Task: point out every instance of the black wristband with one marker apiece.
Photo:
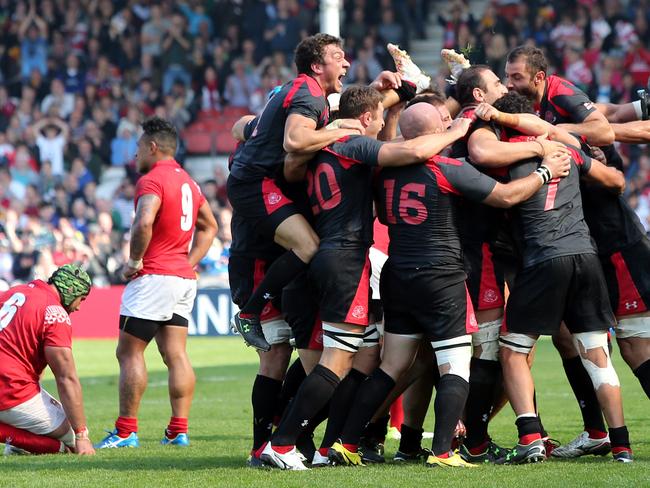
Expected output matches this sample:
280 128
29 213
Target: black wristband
406 92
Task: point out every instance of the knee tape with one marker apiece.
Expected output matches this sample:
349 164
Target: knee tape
488 338
456 352
637 109
371 336
599 376
276 331
68 438
341 339
633 327
520 343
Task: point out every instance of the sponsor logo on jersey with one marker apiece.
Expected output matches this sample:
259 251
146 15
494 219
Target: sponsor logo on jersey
359 312
588 105
274 198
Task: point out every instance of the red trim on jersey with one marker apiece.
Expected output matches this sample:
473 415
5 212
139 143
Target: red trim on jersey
269 312
576 156
345 161
445 160
552 188
380 236
358 311
629 298
314 89
444 184
316 339
273 197
471 324
489 294
295 86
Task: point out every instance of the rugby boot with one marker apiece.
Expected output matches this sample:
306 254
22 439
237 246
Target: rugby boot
582 446
250 329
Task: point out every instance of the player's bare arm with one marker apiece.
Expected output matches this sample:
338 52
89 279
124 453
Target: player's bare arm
295 166
300 134
517 191
61 363
141 229
606 176
485 149
529 124
204 234
389 132
423 147
238 127
594 128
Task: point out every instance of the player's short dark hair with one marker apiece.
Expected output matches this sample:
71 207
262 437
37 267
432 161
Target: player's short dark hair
433 98
162 132
514 103
311 50
535 59
469 79
358 99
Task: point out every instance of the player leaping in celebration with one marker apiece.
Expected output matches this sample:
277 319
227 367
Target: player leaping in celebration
35 332
170 213
290 123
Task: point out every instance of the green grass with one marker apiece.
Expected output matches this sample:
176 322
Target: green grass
221 433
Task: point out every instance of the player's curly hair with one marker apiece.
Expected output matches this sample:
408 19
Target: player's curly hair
358 99
514 103
311 49
162 132
534 57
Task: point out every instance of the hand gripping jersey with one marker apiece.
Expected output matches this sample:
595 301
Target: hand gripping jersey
31 318
418 204
339 186
263 154
173 228
551 224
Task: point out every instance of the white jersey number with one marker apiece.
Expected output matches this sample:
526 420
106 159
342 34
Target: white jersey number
186 207
9 309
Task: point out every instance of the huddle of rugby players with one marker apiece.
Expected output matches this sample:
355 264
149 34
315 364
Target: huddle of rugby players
518 196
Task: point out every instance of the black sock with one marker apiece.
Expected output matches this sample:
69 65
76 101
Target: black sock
292 380
279 274
369 398
305 441
484 377
528 426
411 440
312 395
377 430
340 406
619 438
542 430
643 374
264 398
583 389
451 395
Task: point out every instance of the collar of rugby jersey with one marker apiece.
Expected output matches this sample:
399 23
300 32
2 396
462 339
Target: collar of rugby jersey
165 162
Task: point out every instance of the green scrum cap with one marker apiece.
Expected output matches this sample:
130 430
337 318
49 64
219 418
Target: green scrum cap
72 282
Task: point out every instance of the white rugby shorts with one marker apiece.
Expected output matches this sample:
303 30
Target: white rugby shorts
158 297
41 414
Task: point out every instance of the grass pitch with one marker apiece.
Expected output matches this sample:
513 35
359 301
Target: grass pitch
221 436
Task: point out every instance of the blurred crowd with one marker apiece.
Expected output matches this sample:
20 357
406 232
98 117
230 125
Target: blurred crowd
601 46
77 77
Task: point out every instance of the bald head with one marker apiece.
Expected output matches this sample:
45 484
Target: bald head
420 119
